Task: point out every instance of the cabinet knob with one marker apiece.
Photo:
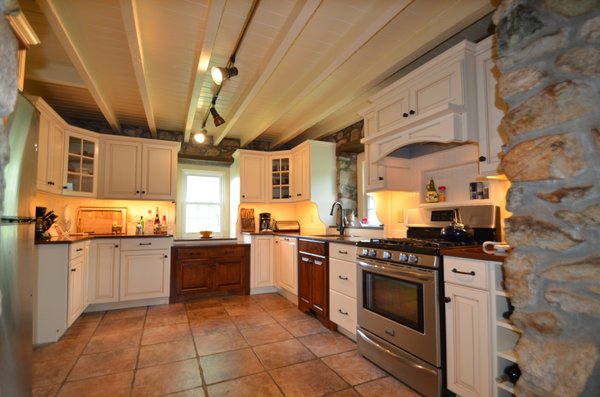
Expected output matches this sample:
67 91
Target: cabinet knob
65 187
447 299
143 192
381 178
482 158
116 245
73 269
137 192
79 250
411 112
404 114
50 183
298 194
243 196
166 256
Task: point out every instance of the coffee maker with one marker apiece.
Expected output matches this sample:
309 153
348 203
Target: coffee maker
265 222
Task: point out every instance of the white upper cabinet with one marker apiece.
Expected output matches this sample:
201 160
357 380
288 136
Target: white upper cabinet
301 174
81 163
251 176
490 109
139 169
280 181
51 143
434 103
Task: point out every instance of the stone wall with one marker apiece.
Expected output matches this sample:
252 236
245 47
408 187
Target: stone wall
549 59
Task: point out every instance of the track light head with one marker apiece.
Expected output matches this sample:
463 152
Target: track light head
217 119
200 137
220 74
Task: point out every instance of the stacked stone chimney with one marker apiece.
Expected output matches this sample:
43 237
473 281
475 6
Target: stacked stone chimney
549 62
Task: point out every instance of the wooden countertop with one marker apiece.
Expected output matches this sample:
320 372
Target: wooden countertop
473 253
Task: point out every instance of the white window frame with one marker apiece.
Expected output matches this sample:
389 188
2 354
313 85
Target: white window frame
185 170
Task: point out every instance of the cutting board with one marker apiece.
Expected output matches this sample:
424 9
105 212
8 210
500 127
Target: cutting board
247 218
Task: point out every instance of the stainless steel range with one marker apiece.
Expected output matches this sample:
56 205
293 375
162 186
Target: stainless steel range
400 287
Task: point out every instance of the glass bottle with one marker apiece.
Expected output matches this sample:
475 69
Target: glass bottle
431 195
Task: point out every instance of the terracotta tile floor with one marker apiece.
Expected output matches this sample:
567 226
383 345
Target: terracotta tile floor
257 345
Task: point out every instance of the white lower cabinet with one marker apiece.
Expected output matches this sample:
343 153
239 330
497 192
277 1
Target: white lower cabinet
261 263
342 286
103 286
145 268
76 295
468 330
286 254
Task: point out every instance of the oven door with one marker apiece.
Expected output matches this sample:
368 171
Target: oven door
399 303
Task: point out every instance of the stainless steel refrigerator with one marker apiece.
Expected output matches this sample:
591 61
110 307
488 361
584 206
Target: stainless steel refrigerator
17 250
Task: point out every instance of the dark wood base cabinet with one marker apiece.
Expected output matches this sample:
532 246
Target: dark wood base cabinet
313 280
202 271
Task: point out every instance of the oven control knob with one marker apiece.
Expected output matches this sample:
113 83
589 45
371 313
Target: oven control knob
387 255
365 252
413 258
403 257
372 253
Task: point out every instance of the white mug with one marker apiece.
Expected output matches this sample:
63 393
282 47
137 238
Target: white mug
498 247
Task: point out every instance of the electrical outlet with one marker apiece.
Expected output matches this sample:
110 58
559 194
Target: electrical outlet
400 216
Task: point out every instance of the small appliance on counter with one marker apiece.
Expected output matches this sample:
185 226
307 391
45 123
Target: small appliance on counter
286 226
265 222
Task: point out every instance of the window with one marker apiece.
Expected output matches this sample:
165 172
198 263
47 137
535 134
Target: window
202 202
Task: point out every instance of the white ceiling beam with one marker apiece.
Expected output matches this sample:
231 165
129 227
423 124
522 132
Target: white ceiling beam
208 38
298 19
60 30
132 31
340 58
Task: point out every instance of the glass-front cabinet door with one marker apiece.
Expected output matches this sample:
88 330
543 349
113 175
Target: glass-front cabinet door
280 178
81 165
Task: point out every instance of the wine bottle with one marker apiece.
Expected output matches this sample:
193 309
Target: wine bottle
156 222
510 310
512 373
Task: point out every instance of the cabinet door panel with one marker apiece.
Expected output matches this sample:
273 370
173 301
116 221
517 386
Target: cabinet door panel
144 274
104 272
252 178
158 169
229 274
319 285
194 275
287 268
121 169
304 280
76 293
467 341
262 265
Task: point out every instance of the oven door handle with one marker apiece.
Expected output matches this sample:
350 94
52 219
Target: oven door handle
404 273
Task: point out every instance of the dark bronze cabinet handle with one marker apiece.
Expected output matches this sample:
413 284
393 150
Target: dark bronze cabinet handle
381 178
342 278
79 250
447 299
116 245
343 312
471 273
166 256
145 243
404 114
137 192
482 158
73 270
411 112
343 252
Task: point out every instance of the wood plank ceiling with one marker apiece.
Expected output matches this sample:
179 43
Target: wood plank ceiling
306 67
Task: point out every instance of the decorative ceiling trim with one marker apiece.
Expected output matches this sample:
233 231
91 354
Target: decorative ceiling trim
58 27
131 27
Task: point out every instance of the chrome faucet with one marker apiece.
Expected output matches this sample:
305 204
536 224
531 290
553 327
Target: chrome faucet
341 226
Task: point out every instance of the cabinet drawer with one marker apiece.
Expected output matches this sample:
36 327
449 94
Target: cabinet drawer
312 247
228 252
467 272
76 250
342 311
145 243
342 277
345 252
